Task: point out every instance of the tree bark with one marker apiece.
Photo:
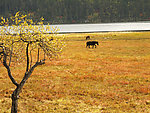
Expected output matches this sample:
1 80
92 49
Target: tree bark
15 94
15 97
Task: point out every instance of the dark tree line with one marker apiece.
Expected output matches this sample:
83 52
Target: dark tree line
79 11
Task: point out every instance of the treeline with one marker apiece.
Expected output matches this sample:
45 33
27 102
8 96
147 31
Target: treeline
79 11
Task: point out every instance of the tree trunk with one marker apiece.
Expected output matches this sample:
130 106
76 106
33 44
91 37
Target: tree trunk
15 94
15 97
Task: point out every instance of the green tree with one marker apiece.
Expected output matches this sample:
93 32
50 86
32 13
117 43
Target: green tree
66 11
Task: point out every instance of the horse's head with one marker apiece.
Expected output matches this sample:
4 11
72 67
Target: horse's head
97 43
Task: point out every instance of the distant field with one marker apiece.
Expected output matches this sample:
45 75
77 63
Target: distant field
112 78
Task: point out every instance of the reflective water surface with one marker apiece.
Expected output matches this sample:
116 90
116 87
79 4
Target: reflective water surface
103 27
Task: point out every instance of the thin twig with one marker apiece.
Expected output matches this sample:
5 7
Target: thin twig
11 54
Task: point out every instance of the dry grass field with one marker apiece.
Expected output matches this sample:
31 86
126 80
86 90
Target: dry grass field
112 78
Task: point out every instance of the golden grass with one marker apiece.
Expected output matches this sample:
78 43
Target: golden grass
112 78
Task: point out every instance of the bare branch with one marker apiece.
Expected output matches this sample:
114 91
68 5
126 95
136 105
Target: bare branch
27 54
1 49
27 74
8 70
38 55
31 58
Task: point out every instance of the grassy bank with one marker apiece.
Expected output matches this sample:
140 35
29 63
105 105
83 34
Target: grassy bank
112 78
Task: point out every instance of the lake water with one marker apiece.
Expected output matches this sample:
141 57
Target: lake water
103 27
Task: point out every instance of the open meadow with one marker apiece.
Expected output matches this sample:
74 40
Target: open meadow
112 78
